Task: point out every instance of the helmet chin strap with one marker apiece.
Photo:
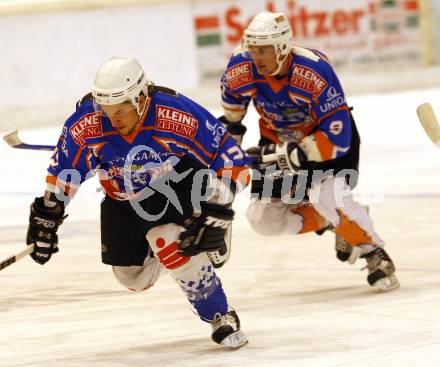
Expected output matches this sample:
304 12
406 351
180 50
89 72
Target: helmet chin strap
139 111
137 103
280 65
140 115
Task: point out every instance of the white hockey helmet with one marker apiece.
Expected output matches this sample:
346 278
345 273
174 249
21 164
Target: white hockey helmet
267 29
119 80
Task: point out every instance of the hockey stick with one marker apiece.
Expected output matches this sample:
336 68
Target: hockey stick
14 141
14 258
429 122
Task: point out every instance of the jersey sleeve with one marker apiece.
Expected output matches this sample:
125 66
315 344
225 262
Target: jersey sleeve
332 137
216 148
72 162
228 159
237 87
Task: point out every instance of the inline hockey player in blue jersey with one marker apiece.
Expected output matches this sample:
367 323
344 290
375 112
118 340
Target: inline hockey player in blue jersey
307 133
163 211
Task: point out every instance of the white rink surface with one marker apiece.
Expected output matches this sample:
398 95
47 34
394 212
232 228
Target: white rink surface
298 305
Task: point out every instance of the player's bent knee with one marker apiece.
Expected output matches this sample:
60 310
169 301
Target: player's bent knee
138 278
268 219
259 226
195 275
164 241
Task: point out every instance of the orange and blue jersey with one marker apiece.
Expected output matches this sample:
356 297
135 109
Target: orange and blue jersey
172 126
308 101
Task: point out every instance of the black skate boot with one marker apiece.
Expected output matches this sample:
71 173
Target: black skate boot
345 251
226 330
381 270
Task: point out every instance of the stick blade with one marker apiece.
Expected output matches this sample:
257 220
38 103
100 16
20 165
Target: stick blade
12 139
429 122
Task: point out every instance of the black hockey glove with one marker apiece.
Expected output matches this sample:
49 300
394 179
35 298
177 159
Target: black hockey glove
206 231
274 162
42 230
287 156
236 129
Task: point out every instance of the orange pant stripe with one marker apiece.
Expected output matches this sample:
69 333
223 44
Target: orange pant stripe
312 220
352 232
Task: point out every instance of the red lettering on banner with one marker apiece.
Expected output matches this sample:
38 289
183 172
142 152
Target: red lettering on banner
176 121
169 256
88 126
308 80
232 24
305 22
239 75
323 23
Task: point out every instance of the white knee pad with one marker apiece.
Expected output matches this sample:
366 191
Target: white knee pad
164 240
195 275
139 278
274 218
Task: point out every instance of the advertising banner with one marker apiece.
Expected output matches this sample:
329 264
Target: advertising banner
435 7
353 33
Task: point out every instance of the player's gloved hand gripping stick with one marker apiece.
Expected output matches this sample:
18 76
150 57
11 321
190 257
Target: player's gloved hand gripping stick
206 231
286 156
42 230
41 237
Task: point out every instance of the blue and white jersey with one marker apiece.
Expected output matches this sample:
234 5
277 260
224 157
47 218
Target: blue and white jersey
172 126
308 101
